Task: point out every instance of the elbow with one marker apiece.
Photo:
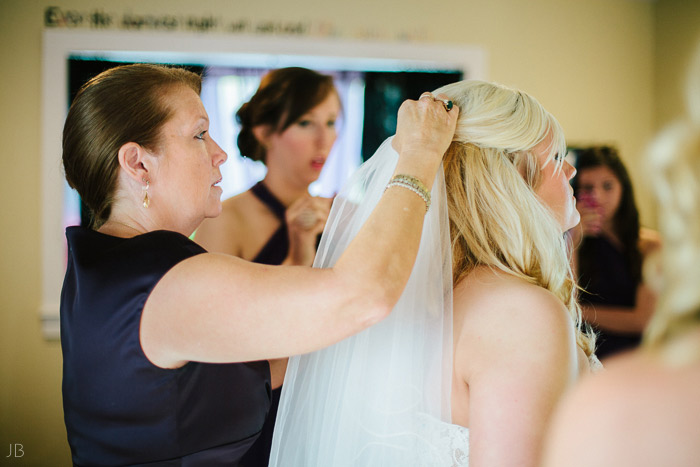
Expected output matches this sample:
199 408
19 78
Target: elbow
374 306
380 300
376 313
366 301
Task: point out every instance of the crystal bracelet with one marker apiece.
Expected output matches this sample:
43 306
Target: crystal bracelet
412 183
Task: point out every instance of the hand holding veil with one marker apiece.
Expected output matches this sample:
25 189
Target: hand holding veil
381 397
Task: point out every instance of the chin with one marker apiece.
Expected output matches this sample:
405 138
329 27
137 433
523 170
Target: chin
212 214
574 220
314 176
213 211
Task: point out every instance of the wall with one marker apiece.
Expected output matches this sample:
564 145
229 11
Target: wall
678 36
591 63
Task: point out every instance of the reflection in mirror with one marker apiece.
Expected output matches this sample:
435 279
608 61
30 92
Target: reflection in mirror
372 78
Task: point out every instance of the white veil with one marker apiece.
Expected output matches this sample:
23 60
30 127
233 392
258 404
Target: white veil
381 397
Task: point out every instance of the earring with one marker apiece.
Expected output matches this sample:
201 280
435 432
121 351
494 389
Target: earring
146 199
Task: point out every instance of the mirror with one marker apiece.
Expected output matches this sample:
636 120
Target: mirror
203 49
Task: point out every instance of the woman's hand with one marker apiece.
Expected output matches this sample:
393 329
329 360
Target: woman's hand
424 131
591 216
305 220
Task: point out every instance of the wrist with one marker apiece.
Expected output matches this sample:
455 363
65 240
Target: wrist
423 167
300 253
413 184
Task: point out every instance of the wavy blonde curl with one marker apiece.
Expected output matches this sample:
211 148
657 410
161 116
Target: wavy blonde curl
491 174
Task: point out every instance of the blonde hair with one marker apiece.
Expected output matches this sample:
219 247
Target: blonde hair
496 219
673 162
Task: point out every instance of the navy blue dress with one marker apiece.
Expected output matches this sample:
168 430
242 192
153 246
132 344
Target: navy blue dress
612 284
273 253
119 408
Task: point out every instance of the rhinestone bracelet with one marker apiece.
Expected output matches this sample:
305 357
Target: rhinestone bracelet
412 183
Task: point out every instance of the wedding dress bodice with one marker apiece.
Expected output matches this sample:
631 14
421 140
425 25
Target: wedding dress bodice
450 443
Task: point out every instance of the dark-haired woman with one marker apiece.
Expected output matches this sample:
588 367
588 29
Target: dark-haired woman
155 331
289 125
610 254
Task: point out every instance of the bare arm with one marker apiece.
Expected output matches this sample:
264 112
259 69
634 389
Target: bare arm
216 308
520 356
623 319
305 219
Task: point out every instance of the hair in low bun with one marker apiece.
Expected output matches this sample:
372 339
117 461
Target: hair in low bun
248 144
283 97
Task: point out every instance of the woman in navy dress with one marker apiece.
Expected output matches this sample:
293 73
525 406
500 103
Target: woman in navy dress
289 125
154 330
611 250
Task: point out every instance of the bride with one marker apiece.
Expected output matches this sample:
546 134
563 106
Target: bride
427 388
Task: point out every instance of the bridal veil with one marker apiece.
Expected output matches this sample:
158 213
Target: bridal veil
381 397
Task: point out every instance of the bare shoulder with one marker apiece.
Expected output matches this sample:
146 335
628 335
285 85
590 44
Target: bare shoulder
241 205
488 297
656 385
649 240
499 315
654 406
605 391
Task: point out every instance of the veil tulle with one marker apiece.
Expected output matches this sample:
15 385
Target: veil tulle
381 397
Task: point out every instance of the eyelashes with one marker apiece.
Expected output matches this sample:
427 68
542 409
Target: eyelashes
307 122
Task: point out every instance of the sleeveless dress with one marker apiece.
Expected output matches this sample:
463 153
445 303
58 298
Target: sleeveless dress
273 253
119 408
613 285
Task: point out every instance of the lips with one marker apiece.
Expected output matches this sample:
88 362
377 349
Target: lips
318 163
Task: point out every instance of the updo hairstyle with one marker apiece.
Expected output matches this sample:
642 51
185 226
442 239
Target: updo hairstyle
283 97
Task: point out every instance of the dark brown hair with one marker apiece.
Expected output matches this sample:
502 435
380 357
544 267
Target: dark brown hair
626 217
284 95
121 105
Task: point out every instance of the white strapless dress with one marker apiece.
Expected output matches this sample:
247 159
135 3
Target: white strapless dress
447 445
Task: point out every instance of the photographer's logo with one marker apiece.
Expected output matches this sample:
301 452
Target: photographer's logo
16 450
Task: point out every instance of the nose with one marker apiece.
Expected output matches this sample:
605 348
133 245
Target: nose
218 155
326 137
570 170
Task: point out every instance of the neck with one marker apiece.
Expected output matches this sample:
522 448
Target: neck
283 189
126 228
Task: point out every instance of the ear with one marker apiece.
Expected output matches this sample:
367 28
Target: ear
134 161
262 133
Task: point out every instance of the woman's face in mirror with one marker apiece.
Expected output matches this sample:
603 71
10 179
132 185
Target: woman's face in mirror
602 187
301 150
